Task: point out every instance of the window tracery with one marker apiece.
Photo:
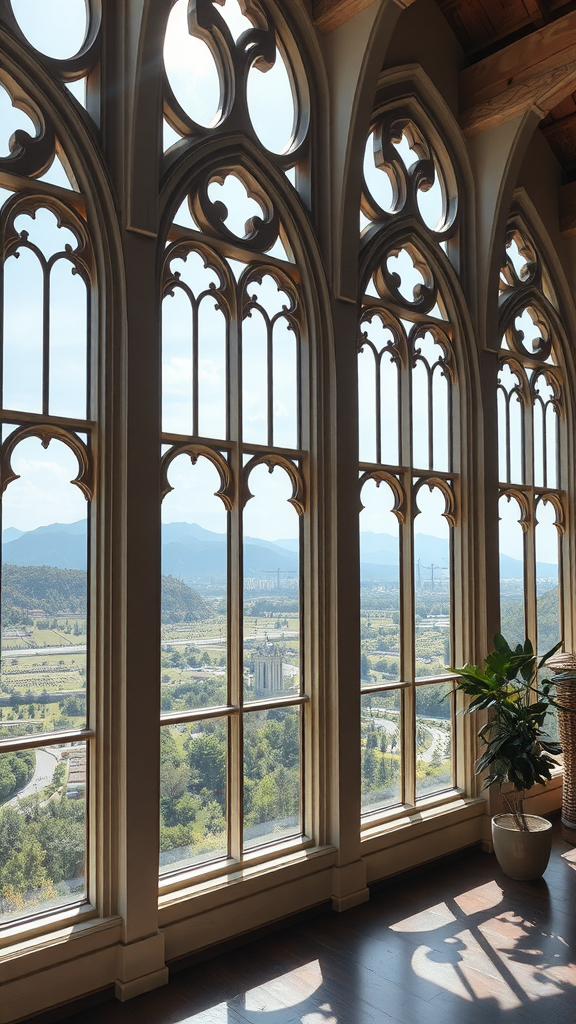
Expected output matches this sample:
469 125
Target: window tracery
408 467
228 68
406 174
67 42
531 418
234 354
48 411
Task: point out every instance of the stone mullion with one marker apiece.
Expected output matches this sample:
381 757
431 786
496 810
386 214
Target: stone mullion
130 141
235 592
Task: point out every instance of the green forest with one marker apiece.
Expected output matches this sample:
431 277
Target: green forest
42 839
512 620
193 782
64 591
16 770
41 587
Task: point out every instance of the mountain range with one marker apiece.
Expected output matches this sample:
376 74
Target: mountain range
198 556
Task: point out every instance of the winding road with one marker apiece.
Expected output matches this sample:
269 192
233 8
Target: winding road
46 763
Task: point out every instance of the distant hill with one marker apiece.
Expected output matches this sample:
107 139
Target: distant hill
59 591
512 620
182 604
53 591
62 545
198 556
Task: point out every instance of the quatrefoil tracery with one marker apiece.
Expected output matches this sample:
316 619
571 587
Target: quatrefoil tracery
258 47
526 294
407 180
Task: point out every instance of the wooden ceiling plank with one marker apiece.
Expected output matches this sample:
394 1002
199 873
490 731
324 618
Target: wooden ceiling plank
567 209
487 75
330 14
563 109
559 127
537 12
538 70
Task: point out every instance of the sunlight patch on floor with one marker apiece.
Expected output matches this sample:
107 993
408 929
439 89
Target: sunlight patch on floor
437 916
286 990
475 954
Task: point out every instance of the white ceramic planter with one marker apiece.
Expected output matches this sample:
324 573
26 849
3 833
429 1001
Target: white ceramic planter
522 855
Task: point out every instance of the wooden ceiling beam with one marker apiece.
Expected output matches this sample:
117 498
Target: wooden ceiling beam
560 126
536 71
330 14
537 12
567 209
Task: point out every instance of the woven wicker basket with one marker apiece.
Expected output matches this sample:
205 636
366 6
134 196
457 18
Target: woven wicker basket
564 666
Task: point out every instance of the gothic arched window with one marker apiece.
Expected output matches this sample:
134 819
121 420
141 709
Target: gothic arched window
408 463
235 366
51 363
531 419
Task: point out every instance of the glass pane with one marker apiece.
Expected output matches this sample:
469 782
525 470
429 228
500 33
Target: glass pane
42 829
212 333
547 592
177 363
516 435
410 278
369 409
389 414
440 420
68 341
551 446
431 204
55 27
420 427
379 582
510 439
271 105
272 776
235 18
194 588
433 738
367 404
285 356
240 207
193 760
512 616
432 584
255 379
193 293
271 588
538 444
23 298
381 739
191 68
44 594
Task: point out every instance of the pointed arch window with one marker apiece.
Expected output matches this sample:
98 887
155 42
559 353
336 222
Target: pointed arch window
49 394
408 466
235 670
531 405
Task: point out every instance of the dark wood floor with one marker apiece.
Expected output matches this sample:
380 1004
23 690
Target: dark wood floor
459 944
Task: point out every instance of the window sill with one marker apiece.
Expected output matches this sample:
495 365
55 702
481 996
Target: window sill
48 941
383 821
252 875
425 817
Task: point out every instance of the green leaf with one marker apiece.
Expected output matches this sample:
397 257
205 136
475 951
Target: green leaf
545 657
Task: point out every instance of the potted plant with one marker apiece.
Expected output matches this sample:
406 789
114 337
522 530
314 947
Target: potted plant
517 750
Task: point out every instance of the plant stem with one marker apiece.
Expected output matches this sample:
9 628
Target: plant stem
516 808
